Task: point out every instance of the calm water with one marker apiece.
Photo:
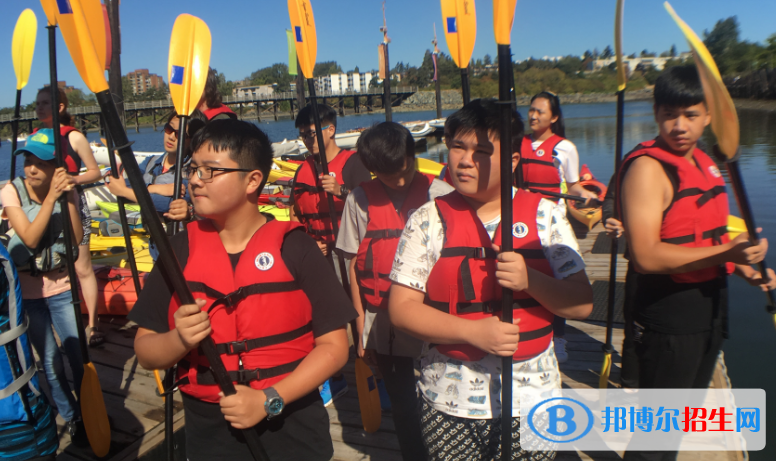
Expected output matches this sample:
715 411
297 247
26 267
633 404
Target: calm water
750 353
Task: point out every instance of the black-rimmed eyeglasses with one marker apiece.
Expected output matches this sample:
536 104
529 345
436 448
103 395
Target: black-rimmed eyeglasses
205 173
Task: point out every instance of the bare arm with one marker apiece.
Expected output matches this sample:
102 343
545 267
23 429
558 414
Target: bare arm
81 146
571 298
167 190
646 194
355 293
119 188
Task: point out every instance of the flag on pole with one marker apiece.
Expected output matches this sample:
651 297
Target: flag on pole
381 57
293 68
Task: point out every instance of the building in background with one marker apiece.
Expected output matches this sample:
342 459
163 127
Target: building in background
342 83
141 81
252 92
632 64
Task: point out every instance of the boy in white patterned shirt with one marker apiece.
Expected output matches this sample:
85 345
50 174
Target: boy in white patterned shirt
447 280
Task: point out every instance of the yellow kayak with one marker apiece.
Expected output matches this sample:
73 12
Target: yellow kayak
281 214
427 166
110 251
109 207
735 226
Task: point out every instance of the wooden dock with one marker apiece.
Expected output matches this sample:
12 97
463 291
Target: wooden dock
136 411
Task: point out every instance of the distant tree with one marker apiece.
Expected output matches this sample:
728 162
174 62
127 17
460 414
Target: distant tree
276 73
673 51
225 86
607 53
647 54
356 71
632 56
723 37
587 55
478 63
596 53
327 68
486 60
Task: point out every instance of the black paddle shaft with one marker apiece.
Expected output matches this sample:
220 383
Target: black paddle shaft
166 256
63 201
576 198
505 102
607 347
123 218
465 93
15 131
172 227
742 199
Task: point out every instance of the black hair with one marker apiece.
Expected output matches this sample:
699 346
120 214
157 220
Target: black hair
247 144
64 118
212 95
196 121
483 114
384 147
305 117
559 127
679 86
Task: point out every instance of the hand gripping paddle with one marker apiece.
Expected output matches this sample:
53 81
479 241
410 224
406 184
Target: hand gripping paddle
724 124
93 412
83 30
303 28
459 19
22 49
622 80
503 16
187 73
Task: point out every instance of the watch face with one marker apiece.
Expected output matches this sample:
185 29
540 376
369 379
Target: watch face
275 406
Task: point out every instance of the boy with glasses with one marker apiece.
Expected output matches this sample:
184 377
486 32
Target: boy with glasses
276 357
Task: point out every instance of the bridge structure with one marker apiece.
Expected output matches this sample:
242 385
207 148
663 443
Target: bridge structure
265 106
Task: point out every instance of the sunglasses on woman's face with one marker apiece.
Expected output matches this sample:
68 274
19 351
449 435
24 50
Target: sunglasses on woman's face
170 130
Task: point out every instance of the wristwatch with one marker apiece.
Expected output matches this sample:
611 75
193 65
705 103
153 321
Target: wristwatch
343 191
274 404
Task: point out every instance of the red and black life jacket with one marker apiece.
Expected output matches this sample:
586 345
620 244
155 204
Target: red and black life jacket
311 199
72 160
260 317
222 109
463 280
697 215
375 254
539 169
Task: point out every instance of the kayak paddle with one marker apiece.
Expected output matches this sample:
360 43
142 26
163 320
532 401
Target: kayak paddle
387 70
459 18
187 73
576 198
82 35
303 27
503 17
93 411
622 81
22 49
724 124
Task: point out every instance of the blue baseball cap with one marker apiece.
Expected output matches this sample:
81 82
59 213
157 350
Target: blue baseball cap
39 144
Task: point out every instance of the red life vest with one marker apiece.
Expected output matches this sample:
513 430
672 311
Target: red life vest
311 199
375 254
697 215
463 280
72 160
260 317
539 170
222 109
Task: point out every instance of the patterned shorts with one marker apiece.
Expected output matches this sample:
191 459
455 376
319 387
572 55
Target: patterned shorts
86 216
450 438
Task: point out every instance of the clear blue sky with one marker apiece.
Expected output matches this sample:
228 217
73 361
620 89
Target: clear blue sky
250 34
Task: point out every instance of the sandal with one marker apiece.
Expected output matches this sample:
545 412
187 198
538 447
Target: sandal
94 336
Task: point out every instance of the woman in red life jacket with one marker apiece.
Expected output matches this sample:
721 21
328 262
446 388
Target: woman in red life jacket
211 104
77 153
547 161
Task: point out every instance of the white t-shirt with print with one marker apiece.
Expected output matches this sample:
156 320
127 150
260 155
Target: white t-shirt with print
567 160
472 389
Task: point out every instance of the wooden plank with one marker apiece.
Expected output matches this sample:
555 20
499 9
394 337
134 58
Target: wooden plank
148 441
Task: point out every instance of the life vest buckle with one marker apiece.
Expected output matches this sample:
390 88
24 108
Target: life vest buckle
236 347
479 253
233 298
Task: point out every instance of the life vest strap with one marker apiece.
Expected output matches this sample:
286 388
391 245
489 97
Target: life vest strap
526 335
383 234
231 299
371 292
307 188
526 161
369 274
487 307
530 254
528 184
705 196
319 215
466 273
205 375
713 234
320 232
238 347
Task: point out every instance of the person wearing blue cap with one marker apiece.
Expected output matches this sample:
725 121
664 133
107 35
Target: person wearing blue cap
31 205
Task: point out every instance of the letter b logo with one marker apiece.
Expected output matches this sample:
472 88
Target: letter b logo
561 416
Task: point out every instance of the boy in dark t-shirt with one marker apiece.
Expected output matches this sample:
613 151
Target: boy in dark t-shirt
240 266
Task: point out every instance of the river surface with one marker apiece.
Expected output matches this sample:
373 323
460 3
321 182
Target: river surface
750 353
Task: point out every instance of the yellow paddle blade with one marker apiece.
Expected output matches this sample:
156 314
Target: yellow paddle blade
427 166
189 62
735 226
93 412
503 17
159 384
460 22
368 397
23 46
305 37
622 76
724 119
50 8
606 369
83 28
